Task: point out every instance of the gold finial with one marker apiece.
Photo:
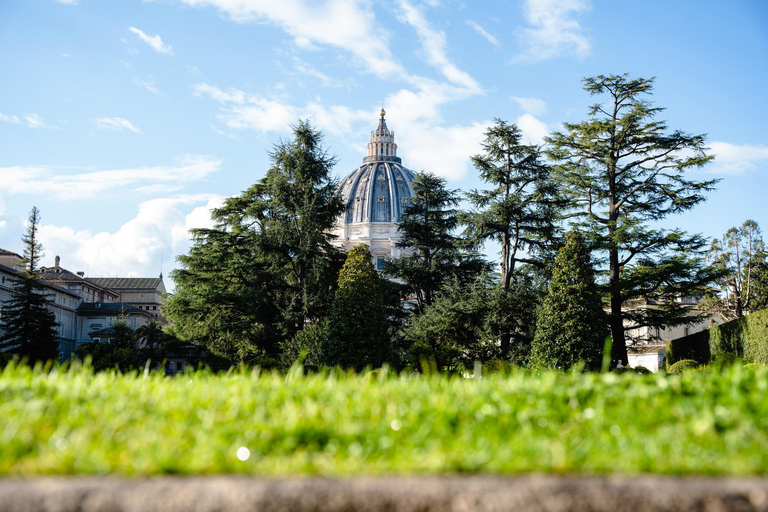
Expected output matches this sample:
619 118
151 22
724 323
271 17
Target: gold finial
382 113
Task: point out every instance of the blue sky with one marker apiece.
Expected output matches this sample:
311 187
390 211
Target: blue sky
125 121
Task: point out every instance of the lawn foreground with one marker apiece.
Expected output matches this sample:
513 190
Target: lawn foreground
76 422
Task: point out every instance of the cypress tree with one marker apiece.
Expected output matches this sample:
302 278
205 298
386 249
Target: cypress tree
572 325
357 328
30 326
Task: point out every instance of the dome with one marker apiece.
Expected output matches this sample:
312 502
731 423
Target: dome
376 195
378 190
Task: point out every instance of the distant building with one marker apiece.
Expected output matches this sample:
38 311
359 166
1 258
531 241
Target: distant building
62 302
144 293
376 194
87 308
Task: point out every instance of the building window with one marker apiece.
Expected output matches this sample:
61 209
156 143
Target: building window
381 199
154 308
380 263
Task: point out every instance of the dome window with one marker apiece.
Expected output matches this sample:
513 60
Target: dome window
381 199
380 178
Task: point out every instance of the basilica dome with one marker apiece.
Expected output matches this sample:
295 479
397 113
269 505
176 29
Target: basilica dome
376 194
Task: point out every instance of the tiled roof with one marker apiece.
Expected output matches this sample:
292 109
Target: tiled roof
128 283
16 272
109 308
4 252
62 275
644 349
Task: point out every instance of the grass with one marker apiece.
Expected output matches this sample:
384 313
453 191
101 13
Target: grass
77 422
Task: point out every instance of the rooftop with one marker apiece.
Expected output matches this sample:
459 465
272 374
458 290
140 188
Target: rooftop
128 283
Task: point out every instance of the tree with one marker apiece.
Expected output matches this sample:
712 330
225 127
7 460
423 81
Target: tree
454 331
119 351
624 172
30 326
267 268
520 211
357 329
572 325
737 255
426 228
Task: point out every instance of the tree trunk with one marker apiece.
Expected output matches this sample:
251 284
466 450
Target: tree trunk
619 345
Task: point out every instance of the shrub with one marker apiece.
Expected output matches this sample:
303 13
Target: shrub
642 370
683 365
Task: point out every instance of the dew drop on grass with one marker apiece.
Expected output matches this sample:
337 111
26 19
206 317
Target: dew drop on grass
396 425
243 453
543 422
615 430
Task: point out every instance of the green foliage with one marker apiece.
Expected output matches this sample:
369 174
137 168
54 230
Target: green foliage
436 256
357 330
268 267
519 212
572 323
743 339
29 325
640 370
683 365
119 351
305 346
454 331
77 422
624 172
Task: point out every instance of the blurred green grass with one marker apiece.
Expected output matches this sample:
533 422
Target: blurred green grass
77 422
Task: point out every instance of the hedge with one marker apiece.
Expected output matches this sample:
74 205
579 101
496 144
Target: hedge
745 338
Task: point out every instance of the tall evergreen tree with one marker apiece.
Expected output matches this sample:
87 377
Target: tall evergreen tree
572 325
624 173
439 256
519 212
357 329
268 266
29 324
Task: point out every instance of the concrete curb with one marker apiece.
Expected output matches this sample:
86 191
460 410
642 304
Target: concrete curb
391 494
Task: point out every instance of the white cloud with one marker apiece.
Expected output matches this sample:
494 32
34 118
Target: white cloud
231 95
349 25
35 121
553 31
533 106
9 119
738 158
160 229
62 183
533 129
150 86
154 41
434 45
67 2
421 134
117 124
480 30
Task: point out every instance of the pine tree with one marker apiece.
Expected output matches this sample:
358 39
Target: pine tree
519 212
625 173
29 325
572 325
267 268
439 256
357 329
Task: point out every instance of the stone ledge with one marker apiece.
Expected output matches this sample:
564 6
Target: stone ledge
391 494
